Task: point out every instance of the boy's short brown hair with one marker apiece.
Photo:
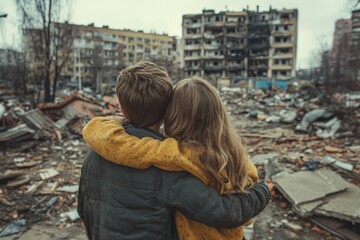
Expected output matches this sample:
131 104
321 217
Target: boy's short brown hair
144 91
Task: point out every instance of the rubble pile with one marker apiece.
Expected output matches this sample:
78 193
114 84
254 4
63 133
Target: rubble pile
309 160
41 156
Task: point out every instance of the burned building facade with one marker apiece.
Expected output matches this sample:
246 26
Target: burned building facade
245 43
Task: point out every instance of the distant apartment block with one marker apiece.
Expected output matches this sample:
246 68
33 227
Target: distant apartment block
246 43
354 61
9 57
10 63
340 47
97 54
344 56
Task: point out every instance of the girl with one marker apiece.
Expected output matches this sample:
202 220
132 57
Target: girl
203 142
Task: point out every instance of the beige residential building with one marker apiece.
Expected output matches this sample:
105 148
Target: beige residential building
97 54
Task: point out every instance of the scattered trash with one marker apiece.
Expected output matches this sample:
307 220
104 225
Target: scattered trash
18 181
336 163
291 137
311 117
287 116
12 228
52 201
72 215
48 173
70 189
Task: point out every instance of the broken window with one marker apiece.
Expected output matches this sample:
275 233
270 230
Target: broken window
231 30
285 16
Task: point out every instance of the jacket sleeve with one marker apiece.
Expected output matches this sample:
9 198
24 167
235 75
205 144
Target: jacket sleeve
203 204
108 138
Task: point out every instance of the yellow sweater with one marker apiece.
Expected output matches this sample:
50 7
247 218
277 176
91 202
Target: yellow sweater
109 139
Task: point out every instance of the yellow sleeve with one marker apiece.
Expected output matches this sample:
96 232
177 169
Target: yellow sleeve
108 138
253 172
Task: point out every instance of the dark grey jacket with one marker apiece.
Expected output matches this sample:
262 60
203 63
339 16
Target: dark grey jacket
117 202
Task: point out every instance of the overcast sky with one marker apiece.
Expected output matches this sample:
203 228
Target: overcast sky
316 17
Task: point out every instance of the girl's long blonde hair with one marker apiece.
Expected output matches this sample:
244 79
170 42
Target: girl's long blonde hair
196 117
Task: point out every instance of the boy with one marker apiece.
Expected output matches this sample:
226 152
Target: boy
118 202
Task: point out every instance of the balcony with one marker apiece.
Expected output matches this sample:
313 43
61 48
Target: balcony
288 21
211 46
192 25
189 58
235 45
282 33
258 46
193 68
214 24
281 67
282 44
209 36
355 25
213 68
282 55
212 56
193 36
192 47
234 67
257 35
258 67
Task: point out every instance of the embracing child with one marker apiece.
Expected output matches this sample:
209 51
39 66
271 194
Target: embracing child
202 140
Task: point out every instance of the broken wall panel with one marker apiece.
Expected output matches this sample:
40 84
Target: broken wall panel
307 186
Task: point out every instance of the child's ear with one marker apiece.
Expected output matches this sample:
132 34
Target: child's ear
124 112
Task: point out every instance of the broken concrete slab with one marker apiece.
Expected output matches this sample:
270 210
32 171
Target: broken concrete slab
48 173
311 117
45 232
337 163
12 228
342 229
69 188
8 175
330 128
261 159
18 181
18 133
287 116
72 215
36 119
321 192
291 225
345 205
307 186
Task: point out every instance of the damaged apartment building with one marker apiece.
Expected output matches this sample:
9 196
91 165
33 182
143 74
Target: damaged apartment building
97 54
246 44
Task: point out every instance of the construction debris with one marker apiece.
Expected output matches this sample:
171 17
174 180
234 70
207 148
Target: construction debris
12 228
308 155
309 158
322 191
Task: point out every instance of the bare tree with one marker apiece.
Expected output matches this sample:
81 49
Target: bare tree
354 3
103 65
175 73
47 45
